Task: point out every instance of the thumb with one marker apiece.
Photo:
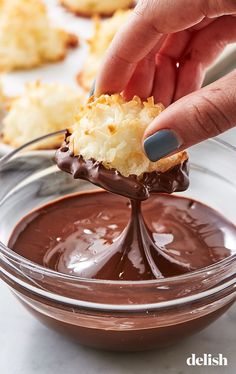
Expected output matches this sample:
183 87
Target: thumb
192 119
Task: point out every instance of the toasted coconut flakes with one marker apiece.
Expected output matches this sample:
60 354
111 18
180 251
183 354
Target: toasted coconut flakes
111 130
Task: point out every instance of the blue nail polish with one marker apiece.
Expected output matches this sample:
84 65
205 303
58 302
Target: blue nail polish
91 93
161 144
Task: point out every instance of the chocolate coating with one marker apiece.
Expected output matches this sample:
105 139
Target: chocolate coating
175 179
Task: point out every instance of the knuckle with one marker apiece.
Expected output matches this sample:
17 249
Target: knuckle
202 125
213 8
141 8
230 5
121 59
147 10
233 85
210 118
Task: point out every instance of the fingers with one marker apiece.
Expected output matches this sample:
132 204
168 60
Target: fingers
132 44
149 22
206 21
206 45
217 8
166 70
196 117
136 39
196 51
141 82
165 80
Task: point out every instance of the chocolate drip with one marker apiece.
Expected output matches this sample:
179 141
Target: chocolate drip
175 179
135 237
135 252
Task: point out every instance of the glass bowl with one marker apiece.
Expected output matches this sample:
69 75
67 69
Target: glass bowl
117 315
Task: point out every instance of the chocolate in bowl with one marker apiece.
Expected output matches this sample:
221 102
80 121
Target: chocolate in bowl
118 315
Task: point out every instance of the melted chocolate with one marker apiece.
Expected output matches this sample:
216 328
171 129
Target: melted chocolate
104 236
175 179
98 235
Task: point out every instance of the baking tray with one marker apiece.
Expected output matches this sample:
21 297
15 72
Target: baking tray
65 72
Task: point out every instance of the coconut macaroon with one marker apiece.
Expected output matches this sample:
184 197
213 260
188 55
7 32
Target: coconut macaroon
27 37
89 8
42 108
110 130
104 32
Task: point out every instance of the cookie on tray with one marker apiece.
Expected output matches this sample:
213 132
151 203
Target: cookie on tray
27 36
104 32
42 108
88 8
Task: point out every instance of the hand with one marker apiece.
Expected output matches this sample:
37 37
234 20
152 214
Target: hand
164 51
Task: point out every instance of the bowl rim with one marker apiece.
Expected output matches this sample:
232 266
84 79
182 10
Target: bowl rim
8 253
58 298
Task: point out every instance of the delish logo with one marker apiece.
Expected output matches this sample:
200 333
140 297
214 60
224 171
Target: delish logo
207 360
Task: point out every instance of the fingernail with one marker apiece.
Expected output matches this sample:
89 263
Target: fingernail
91 93
161 144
